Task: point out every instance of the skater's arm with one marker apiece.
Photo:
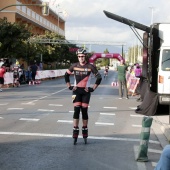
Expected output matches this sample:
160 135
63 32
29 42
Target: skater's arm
98 80
67 79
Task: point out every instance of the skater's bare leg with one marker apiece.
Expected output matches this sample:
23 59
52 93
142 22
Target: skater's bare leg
75 122
85 122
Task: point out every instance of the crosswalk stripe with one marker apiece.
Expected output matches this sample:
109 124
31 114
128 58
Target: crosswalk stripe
137 126
101 123
109 114
137 115
15 108
29 119
29 103
1 104
154 151
65 121
45 110
110 107
133 108
55 105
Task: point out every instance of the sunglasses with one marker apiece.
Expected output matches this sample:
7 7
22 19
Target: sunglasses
81 56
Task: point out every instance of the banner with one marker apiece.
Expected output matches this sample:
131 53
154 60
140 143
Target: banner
133 84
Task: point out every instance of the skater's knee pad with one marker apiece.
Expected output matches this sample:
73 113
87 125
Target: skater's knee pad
76 112
84 113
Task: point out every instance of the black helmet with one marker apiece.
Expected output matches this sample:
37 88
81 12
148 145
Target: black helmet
81 51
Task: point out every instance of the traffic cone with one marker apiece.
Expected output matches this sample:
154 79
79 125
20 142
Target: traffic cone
144 139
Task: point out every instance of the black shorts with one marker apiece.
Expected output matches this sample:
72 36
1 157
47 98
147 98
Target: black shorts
81 98
1 80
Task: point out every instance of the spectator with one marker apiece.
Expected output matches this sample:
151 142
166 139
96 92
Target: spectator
41 65
16 82
11 66
2 72
138 71
122 68
33 69
1 62
7 65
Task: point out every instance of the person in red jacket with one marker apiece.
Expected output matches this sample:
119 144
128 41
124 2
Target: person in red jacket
2 72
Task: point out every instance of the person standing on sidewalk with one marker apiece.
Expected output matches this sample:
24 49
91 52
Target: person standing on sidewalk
2 72
122 68
33 69
81 91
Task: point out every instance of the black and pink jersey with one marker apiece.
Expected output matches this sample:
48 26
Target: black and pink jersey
82 74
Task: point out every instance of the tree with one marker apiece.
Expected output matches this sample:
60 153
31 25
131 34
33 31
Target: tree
11 39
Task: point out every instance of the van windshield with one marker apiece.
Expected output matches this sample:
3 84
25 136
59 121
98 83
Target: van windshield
166 60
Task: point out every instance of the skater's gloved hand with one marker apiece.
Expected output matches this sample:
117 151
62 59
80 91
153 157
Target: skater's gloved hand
90 89
71 87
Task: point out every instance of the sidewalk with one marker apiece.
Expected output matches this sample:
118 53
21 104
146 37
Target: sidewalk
161 127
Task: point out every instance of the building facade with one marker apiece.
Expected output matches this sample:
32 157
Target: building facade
32 15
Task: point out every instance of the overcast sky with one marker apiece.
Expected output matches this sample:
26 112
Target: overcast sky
87 22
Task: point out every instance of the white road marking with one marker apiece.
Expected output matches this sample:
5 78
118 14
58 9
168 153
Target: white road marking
110 107
109 114
154 164
155 151
65 121
29 119
29 103
45 110
140 165
137 115
1 118
71 111
133 108
55 105
48 95
70 136
106 124
139 126
15 108
2 104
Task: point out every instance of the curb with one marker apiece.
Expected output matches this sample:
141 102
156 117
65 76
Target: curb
161 130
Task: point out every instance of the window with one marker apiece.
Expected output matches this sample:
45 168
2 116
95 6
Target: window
166 60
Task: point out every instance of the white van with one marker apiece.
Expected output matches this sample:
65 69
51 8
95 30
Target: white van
164 65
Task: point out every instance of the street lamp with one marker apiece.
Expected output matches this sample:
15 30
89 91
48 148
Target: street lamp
152 10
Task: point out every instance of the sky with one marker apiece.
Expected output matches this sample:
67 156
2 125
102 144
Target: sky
86 21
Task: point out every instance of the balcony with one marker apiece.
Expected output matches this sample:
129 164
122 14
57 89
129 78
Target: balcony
37 19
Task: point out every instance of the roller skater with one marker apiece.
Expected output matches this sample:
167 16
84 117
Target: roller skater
81 91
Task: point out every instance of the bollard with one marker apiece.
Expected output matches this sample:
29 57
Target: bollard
144 139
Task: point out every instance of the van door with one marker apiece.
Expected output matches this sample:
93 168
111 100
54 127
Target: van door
164 76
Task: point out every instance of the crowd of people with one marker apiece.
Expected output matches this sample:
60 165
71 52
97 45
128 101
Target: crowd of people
124 72
20 73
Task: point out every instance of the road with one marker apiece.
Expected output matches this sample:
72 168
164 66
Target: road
36 130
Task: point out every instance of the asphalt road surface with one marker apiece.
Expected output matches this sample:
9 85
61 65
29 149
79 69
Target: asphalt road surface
36 130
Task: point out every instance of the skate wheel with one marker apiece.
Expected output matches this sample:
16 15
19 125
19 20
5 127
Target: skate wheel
75 141
85 140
